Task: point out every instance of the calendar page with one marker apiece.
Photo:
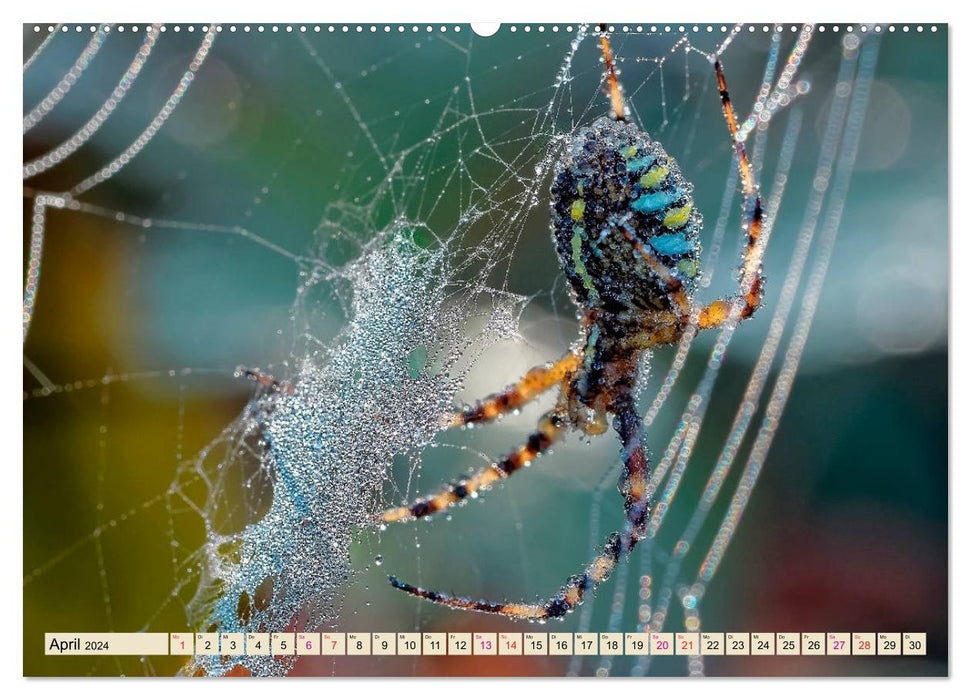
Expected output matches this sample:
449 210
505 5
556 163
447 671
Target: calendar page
514 349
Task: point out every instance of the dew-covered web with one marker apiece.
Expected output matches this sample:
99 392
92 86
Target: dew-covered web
425 280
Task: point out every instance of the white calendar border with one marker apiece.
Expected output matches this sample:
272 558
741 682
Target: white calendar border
508 10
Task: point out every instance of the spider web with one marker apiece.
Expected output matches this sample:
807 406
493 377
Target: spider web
378 245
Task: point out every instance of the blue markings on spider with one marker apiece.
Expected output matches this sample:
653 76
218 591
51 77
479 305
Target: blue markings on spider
614 180
674 244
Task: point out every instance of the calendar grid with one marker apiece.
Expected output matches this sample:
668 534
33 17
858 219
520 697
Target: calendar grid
487 644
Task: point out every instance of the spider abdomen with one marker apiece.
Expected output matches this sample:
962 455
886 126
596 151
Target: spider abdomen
618 200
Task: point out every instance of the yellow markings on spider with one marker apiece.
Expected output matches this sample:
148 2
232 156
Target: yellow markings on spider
688 267
576 209
654 176
576 244
677 217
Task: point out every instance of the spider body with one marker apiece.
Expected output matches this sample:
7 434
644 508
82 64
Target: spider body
615 186
615 195
625 229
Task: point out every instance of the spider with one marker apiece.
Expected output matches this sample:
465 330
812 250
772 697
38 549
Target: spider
626 232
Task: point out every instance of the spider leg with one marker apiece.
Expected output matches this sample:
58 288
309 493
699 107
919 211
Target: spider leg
548 429
535 382
618 109
633 486
259 377
522 610
753 282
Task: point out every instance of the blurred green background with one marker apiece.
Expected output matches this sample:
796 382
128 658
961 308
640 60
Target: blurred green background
847 530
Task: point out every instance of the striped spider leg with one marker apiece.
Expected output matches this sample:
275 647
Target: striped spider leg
549 428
